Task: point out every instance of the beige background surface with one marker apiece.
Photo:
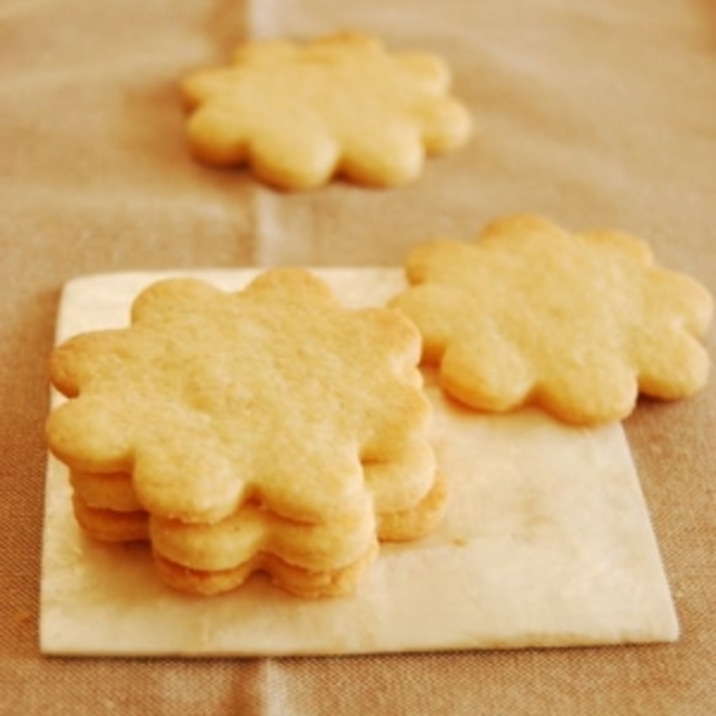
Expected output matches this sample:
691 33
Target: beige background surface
595 113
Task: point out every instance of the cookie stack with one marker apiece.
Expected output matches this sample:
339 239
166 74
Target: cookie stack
268 431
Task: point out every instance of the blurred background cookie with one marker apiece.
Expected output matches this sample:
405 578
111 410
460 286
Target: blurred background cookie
301 113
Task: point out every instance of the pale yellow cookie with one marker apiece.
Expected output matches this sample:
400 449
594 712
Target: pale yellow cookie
110 491
110 525
113 492
301 113
232 426
578 324
301 582
237 539
252 531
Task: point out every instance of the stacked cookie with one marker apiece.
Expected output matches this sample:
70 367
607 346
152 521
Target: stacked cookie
269 430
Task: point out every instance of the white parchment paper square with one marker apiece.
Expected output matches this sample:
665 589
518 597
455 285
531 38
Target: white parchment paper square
546 542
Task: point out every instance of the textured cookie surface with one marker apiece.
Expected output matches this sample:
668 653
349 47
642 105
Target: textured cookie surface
301 113
576 323
254 428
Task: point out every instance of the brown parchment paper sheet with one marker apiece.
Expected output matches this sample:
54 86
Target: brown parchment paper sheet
600 113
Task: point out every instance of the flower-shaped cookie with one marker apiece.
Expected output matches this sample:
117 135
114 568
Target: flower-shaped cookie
576 323
275 395
299 114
